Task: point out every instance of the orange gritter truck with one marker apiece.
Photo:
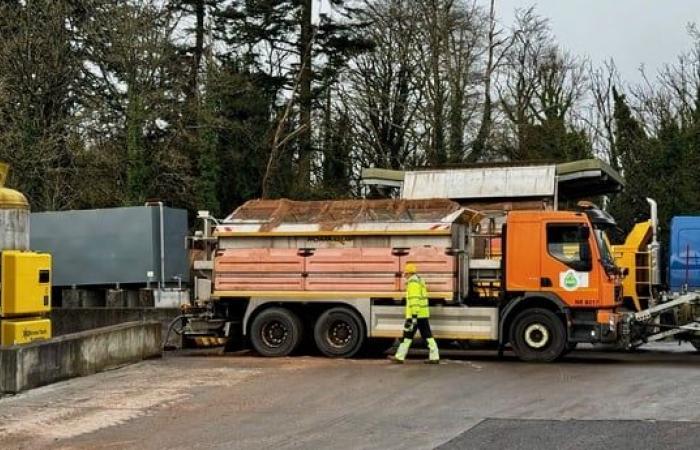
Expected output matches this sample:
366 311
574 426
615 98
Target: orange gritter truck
278 272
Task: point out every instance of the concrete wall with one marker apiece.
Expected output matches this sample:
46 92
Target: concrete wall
73 320
27 366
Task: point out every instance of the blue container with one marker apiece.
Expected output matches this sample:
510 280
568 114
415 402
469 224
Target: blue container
684 253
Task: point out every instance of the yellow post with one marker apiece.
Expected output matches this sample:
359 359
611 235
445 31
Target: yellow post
4 170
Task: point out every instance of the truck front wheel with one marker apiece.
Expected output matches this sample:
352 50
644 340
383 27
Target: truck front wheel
696 343
538 335
339 333
276 332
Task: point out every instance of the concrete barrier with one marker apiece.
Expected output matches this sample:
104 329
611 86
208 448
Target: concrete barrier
74 320
72 355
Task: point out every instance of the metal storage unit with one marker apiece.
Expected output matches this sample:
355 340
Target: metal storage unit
118 246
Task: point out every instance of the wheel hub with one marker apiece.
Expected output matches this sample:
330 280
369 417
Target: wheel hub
274 333
536 335
340 334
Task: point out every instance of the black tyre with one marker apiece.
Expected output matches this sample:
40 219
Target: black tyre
538 335
276 332
339 333
696 343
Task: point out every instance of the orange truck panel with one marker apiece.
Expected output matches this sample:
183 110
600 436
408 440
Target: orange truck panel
436 282
259 269
258 260
265 282
523 254
429 260
352 260
351 283
330 270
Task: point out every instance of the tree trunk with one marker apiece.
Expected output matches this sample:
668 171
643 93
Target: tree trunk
480 143
305 97
438 132
456 123
198 47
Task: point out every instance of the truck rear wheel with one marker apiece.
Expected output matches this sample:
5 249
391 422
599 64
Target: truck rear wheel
538 335
339 333
276 332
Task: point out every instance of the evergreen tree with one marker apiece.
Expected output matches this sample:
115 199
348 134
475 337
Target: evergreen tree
39 83
280 40
635 153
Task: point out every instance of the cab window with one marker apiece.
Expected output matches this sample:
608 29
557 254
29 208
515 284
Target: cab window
568 244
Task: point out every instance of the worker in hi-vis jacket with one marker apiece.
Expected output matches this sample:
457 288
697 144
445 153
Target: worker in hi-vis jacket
417 314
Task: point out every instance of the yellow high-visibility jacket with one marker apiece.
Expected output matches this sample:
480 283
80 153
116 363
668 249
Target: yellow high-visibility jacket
416 298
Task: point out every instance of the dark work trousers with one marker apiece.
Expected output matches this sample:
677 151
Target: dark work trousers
409 328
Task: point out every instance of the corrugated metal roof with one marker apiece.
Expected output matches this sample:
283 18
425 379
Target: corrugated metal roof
478 183
354 216
577 179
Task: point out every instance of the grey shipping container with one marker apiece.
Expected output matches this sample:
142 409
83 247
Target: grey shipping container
113 246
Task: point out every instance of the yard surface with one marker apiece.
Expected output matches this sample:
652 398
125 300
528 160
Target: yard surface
591 399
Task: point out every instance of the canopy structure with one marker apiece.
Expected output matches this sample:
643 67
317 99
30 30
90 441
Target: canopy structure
569 181
587 178
355 217
481 183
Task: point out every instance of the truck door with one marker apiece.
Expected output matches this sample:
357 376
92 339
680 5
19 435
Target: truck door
567 267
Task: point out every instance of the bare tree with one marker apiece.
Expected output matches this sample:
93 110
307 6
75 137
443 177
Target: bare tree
601 120
497 47
435 17
465 49
518 88
542 86
381 93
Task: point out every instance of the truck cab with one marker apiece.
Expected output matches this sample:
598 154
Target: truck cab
558 264
561 254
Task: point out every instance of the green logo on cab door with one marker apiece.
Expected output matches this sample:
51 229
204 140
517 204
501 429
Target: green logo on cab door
570 281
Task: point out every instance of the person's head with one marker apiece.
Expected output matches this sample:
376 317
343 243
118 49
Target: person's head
410 269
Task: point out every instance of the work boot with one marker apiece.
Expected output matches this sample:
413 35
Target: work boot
402 351
433 353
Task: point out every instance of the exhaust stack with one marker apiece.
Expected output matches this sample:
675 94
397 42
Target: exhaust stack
654 247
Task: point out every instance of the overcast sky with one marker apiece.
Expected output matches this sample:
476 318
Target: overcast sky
633 32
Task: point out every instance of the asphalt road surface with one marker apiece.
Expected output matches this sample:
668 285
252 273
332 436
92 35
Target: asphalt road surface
647 399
